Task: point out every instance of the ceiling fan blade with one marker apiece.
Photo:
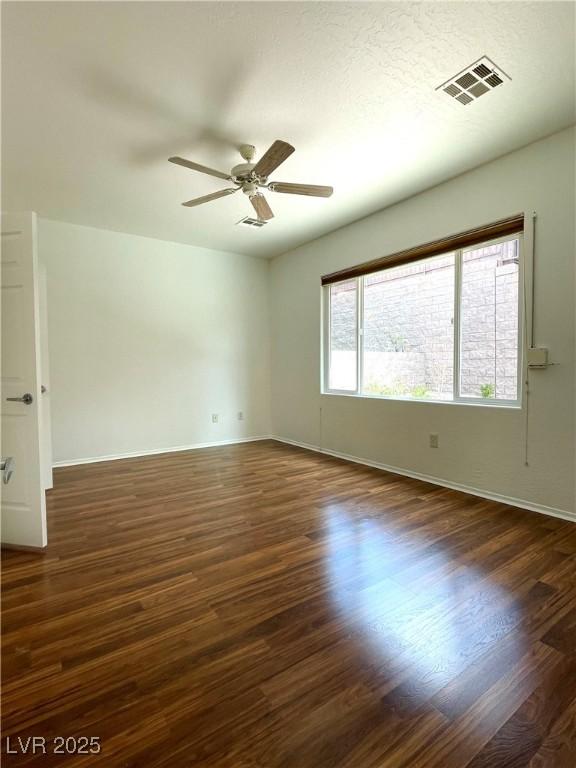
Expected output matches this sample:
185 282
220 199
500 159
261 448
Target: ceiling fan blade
314 190
261 207
213 196
198 167
272 158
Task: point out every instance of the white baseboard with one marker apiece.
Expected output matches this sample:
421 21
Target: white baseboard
156 451
510 500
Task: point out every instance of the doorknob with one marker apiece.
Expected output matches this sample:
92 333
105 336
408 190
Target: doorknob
27 399
7 468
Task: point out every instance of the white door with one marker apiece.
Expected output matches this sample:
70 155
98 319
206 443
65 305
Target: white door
45 414
23 508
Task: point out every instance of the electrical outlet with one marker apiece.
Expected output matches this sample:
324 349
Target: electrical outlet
240 416
433 440
214 418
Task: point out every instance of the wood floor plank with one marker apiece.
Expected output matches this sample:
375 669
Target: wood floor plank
465 737
263 606
558 750
520 738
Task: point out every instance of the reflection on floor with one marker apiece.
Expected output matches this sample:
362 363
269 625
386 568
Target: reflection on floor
263 606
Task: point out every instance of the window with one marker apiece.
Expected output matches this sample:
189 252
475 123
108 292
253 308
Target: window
489 322
408 338
444 328
344 336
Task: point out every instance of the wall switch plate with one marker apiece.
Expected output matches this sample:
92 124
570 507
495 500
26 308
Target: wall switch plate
214 418
537 357
433 440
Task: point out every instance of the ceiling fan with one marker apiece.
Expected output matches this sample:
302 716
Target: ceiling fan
252 177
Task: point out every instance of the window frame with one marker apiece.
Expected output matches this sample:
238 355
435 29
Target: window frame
327 324
457 397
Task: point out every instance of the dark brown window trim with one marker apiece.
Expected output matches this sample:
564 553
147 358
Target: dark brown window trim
510 226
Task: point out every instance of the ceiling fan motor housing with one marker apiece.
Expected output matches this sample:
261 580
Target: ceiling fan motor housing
242 171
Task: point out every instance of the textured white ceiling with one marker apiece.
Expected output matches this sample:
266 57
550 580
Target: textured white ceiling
96 97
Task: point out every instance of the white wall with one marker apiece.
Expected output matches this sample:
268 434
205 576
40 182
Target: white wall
480 447
148 339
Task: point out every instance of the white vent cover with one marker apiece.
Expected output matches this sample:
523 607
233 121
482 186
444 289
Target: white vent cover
248 221
473 82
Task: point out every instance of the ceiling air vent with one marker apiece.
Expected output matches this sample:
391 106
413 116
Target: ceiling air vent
248 221
473 82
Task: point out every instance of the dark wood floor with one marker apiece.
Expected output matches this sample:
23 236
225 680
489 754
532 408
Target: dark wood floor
261 606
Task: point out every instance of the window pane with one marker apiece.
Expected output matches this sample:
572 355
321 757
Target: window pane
343 335
489 322
409 330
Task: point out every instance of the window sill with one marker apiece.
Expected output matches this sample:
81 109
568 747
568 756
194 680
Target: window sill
504 404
